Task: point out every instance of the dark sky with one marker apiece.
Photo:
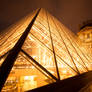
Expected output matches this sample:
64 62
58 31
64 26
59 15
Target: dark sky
70 12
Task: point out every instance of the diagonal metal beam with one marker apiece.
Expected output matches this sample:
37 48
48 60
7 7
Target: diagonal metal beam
10 59
66 47
39 65
68 37
4 54
54 54
37 68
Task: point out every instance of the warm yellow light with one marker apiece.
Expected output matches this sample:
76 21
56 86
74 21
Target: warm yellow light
38 44
64 71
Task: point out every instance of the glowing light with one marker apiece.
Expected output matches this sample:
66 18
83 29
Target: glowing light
64 71
39 46
26 77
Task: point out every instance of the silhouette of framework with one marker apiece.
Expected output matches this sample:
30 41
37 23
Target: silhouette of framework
40 40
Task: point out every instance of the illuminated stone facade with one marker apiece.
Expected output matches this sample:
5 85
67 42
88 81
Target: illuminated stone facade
85 37
51 45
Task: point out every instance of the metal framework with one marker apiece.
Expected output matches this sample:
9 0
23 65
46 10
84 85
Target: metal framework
9 61
40 43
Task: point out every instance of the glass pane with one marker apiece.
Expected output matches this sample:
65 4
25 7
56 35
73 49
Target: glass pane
25 76
9 39
40 52
60 44
65 70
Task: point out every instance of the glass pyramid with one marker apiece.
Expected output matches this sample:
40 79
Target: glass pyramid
50 52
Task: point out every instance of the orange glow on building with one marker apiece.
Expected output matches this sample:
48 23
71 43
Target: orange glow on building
48 40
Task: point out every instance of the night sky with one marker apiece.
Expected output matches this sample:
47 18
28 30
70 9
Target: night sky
70 12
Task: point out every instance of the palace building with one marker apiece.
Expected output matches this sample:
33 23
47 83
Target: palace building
85 36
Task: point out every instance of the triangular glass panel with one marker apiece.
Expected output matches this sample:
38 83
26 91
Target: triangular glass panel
49 49
25 76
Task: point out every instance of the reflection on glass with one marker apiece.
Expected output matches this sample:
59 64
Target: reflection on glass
26 74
